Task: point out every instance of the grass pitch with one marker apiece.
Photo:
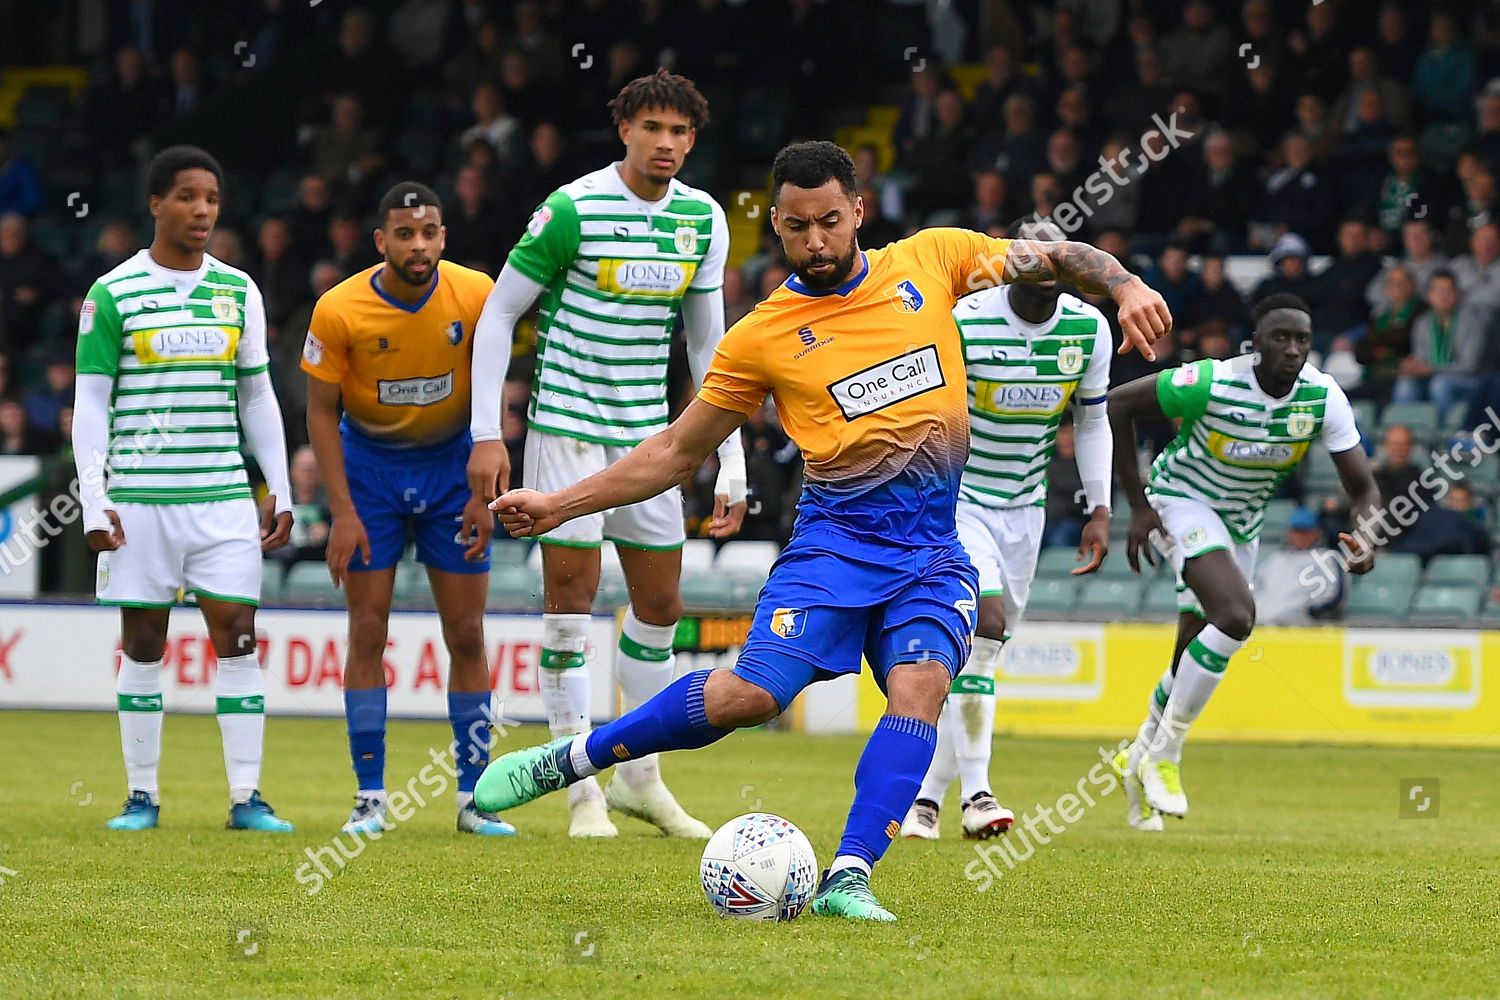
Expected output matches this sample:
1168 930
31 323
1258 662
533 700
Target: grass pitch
1296 875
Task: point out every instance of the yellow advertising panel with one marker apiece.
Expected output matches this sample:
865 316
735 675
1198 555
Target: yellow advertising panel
1288 685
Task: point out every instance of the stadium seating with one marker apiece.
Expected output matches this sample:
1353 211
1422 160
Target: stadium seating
1160 599
1050 595
1421 417
1056 561
1110 600
1458 571
1436 604
748 558
309 583
697 556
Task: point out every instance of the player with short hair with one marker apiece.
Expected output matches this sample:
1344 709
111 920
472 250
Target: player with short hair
860 351
1030 350
393 344
1246 423
614 257
172 371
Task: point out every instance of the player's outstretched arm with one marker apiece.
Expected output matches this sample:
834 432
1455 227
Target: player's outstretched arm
1144 317
1130 402
653 466
1354 473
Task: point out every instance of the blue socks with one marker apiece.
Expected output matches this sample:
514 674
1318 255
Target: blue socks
364 711
674 719
885 784
469 715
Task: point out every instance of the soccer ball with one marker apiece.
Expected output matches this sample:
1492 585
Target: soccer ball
759 867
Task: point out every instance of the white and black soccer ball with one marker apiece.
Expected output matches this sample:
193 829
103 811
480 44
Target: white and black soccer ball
759 867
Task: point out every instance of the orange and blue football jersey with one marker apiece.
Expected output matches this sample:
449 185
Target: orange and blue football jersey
868 380
404 368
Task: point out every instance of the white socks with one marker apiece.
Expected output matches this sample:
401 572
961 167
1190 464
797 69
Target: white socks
644 666
565 687
241 706
1198 673
966 728
138 687
944 766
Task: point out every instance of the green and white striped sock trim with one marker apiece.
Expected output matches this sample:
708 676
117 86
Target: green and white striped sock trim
637 651
140 702
562 659
250 704
972 684
1206 658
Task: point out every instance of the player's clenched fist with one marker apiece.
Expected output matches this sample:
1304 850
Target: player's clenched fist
526 513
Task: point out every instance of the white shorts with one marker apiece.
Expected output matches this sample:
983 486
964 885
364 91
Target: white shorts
1193 528
211 549
1002 543
555 461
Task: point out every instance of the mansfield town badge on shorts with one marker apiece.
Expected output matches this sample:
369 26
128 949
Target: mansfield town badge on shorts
788 622
1070 360
686 239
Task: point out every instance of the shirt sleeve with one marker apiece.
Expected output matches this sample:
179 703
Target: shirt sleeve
969 260
551 239
1094 386
710 276
325 353
253 356
1183 392
737 380
99 333
1340 433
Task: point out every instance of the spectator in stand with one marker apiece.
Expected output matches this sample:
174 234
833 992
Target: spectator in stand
737 300
20 184
18 436
1397 474
1258 29
1407 190
1314 123
1288 260
543 48
1074 72
361 66
1018 152
1046 194
345 152
1130 107
876 231
492 124
312 518
351 246
280 273
867 172
115 242
1106 204
285 343
1487 141
770 462
1065 515
309 218
1217 310
1338 295
29 283
1421 261
1260 109
1001 81
1447 529
1447 343
1365 77
1065 162
479 234
1298 196
1286 593
477 64
1478 271
1387 342
1318 52
45 404
1486 398
1218 198
187 89
937 160
417 30
226 244
1397 50
118 111
1179 286
1360 157
1477 206
1075 115
544 170
1443 84
990 207
5 376
917 118
1201 52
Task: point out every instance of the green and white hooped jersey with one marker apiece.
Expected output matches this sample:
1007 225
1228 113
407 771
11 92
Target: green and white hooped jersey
616 269
1236 444
174 342
1021 378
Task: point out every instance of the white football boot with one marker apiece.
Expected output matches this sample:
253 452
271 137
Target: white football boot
921 821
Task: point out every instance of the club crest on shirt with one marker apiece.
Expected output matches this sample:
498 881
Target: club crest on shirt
456 332
1070 360
686 239
788 622
1300 423
908 299
225 308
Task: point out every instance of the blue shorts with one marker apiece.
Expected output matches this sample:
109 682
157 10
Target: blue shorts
410 492
831 600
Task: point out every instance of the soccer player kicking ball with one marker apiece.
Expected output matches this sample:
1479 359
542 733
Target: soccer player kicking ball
172 370
860 351
1030 350
393 344
1246 423
614 257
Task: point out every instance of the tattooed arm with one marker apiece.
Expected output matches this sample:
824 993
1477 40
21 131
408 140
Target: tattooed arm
1144 318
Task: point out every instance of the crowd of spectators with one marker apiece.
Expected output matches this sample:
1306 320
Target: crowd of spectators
1344 151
